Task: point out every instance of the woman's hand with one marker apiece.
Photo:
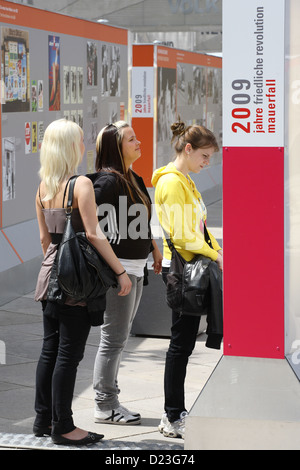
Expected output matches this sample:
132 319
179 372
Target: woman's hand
157 258
219 261
125 284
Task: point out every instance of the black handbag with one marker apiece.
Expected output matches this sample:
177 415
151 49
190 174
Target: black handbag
79 269
188 282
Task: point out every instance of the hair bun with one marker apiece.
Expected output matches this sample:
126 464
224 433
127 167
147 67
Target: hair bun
178 128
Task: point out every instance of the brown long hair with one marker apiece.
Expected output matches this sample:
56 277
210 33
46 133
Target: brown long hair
109 158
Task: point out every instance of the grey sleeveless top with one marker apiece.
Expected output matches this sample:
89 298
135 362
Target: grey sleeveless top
55 221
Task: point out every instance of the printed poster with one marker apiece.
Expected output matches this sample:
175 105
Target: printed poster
15 70
27 138
40 131
33 95
66 84
34 137
54 73
92 60
8 168
40 96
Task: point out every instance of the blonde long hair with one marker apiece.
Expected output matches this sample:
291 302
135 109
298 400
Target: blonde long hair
60 154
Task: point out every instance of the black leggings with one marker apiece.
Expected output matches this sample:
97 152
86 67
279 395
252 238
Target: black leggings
65 336
183 339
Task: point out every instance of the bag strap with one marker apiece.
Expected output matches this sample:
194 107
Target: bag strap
206 238
168 240
71 183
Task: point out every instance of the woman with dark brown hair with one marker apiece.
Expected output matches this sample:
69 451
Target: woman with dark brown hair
182 214
124 212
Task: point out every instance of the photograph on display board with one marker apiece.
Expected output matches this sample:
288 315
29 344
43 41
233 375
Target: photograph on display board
40 95
94 106
94 132
181 84
191 84
34 137
214 104
80 118
73 115
15 70
33 95
104 70
113 112
8 169
54 73
199 96
115 72
40 131
80 85
66 84
198 85
166 102
213 85
110 70
92 64
73 76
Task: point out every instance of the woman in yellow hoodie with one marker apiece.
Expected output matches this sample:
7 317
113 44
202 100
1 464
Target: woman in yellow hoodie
182 214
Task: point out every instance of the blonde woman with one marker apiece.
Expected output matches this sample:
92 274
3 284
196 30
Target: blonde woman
66 327
124 210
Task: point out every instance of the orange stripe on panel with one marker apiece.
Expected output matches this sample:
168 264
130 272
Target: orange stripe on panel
11 245
168 57
143 128
142 56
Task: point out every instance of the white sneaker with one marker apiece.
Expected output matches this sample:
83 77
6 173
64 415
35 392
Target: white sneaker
125 410
177 428
117 416
164 421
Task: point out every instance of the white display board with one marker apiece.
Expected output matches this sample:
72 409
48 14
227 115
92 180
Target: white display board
142 91
253 74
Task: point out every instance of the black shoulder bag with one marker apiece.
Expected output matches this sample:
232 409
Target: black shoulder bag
188 282
79 271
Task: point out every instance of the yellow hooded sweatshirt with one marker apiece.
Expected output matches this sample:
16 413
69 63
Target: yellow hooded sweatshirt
182 213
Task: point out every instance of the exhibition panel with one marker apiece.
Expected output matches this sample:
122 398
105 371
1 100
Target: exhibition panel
52 66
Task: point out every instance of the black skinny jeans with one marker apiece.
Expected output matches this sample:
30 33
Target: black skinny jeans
65 336
184 332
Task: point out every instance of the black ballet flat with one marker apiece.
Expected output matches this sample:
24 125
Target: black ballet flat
41 431
91 438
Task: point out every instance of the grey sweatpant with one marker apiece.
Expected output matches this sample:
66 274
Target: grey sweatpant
114 333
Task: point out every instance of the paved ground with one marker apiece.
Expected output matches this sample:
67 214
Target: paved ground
140 380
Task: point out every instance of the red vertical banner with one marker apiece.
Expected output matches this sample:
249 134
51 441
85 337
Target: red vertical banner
253 237
253 178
